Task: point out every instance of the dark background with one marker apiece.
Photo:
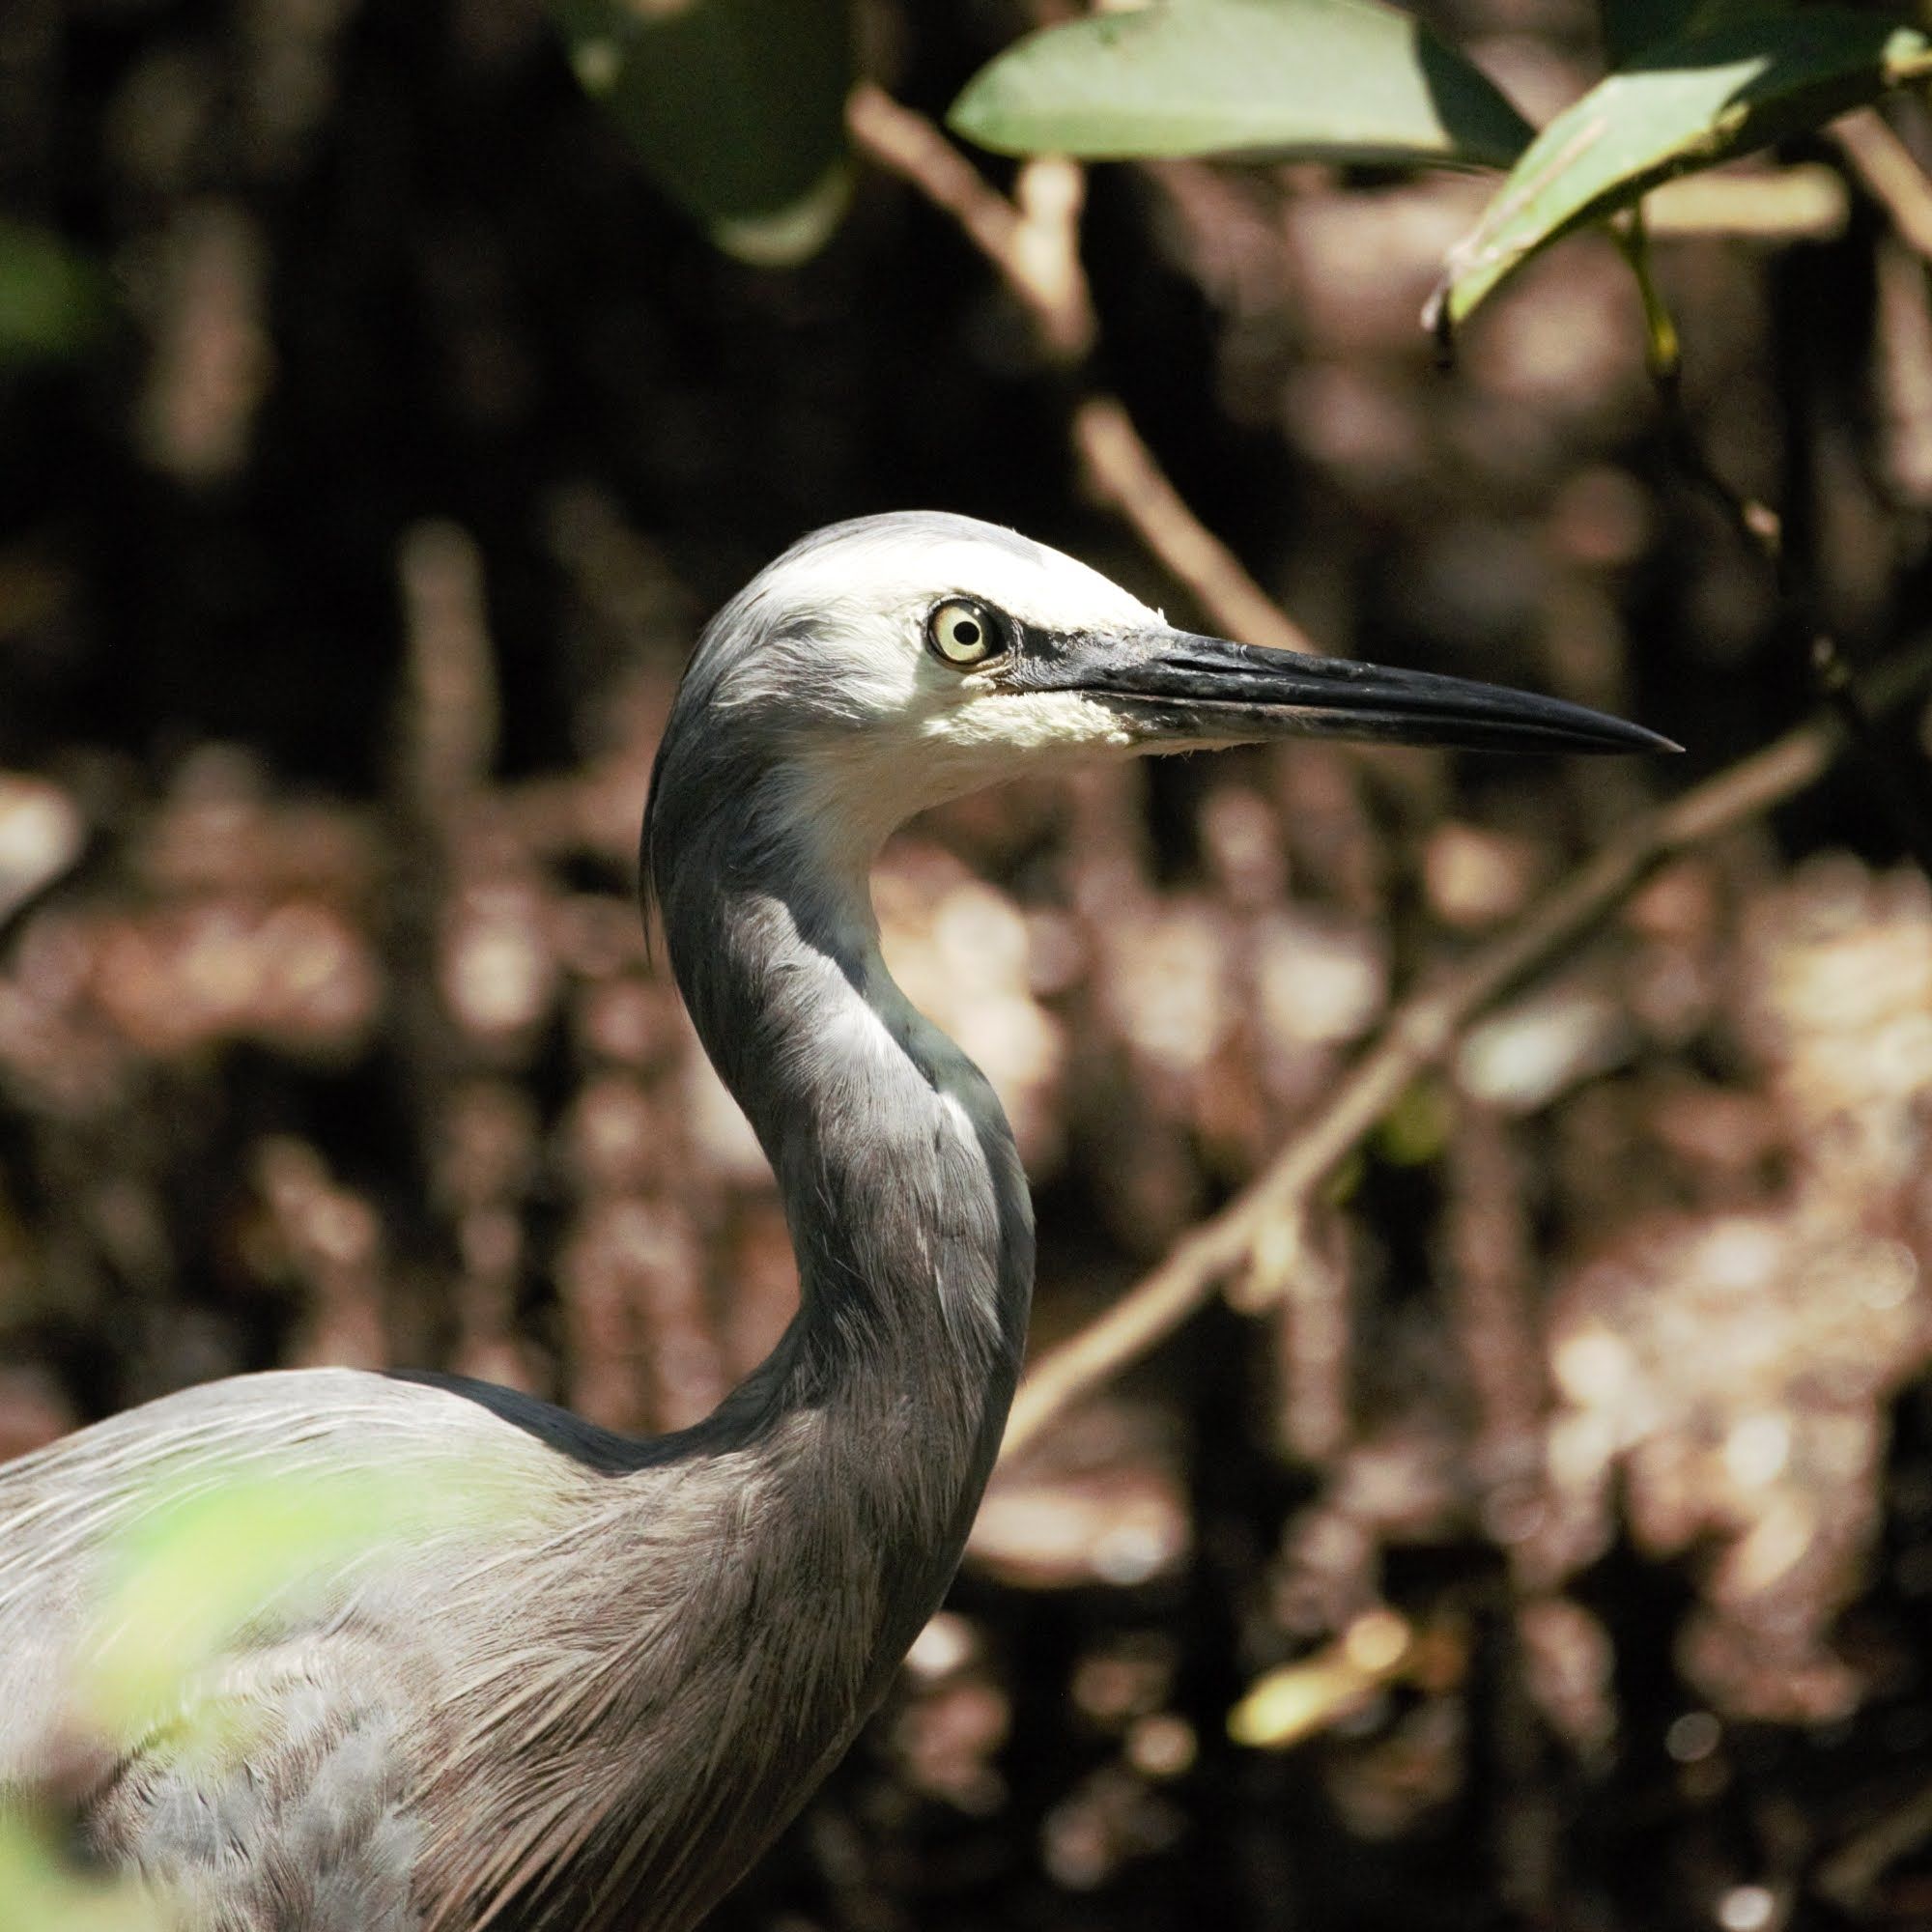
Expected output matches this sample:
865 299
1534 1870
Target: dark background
346 569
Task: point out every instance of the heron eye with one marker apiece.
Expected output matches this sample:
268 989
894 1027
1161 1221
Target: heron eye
965 632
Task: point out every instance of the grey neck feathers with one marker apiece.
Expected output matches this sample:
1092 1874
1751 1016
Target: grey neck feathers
902 1189
814 1520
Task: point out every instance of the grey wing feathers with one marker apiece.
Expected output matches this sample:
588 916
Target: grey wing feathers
305 1828
303 1824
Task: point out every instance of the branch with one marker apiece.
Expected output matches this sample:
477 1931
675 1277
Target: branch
1807 201
1889 174
452 706
1762 530
1419 1035
1034 241
1853 1872
1123 473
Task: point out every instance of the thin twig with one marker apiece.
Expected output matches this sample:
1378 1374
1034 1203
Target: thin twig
1809 202
453 710
1034 242
1419 1035
1853 1873
1030 241
1889 172
1123 473
1762 530
1831 678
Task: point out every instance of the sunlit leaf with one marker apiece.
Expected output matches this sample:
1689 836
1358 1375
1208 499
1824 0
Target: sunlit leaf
1345 80
1687 103
736 108
53 301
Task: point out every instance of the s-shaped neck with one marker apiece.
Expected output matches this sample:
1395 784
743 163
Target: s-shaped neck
902 1189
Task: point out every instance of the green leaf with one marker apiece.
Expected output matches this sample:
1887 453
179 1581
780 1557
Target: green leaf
1340 80
1632 25
1690 103
736 108
53 301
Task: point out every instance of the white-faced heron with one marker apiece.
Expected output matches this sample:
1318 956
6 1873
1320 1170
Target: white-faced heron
588 1679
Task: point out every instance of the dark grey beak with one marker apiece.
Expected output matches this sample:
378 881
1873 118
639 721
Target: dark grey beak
1207 690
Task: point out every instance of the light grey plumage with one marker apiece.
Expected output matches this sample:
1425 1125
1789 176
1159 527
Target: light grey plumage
579 1681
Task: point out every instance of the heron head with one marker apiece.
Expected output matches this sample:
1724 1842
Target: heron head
882 666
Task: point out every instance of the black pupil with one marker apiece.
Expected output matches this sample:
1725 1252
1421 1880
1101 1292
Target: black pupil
965 632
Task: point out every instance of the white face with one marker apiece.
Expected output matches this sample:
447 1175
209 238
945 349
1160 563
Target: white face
884 642
883 666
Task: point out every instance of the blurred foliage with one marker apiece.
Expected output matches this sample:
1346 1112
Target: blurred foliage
1630 26
53 301
194 1564
42 1897
735 107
